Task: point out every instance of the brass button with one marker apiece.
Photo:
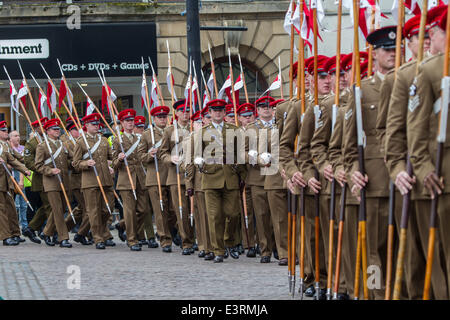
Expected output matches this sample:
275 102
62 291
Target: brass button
372 107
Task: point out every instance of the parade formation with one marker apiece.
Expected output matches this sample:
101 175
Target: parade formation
345 183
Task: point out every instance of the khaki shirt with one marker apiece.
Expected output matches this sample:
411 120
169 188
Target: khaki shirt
29 160
5 181
148 161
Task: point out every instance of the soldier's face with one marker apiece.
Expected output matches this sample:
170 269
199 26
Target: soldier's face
324 84
385 59
4 134
183 117
160 121
413 45
245 120
128 124
217 115
92 128
437 37
265 112
54 134
75 133
138 130
229 119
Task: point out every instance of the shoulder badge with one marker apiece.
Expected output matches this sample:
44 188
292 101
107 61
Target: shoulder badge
348 114
27 152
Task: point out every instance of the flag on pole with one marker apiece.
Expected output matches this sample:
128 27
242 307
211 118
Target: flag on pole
89 107
317 4
239 84
226 85
51 100
63 91
105 97
170 82
276 84
288 18
210 85
42 102
12 93
143 93
22 95
411 5
154 93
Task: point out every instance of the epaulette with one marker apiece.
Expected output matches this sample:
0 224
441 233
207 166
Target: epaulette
431 58
407 64
390 72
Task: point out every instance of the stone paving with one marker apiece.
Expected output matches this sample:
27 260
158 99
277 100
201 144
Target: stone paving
32 271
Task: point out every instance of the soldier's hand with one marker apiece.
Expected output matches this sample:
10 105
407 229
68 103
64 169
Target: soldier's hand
121 156
290 186
433 184
341 177
190 192
356 192
55 171
328 172
283 174
91 163
315 185
175 159
111 170
298 180
359 179
404 182
153 151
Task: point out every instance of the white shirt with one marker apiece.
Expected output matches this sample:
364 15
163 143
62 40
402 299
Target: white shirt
218 126
267 123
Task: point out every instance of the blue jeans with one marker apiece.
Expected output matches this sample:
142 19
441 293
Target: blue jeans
21 207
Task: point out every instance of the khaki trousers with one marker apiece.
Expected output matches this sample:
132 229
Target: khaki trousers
134 212
80 215
56 218
279 215
98 212
263 220
161 218
5 217
201 223
184 225
220 204
11 207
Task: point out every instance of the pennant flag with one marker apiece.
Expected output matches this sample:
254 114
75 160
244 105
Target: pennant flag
170 81
51 100
239 84
411 5
365 14
62 93
210 85
205 99
12 93
288 18
435 3
105 98
187 88
226 85
317 4
296 18
89 107
22 95
143 93
154 94
195 87
42 102
276 84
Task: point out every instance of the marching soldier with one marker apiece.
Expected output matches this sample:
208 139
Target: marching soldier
48 155
246 115
422 121
221 181
147 227
95 205
7 216
79 212
255 178
376 181
166 153
36 186
133 209
193 186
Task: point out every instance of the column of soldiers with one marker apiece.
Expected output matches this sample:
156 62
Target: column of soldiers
399 120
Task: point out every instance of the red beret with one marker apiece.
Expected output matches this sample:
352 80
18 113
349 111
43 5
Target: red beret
36 123
275 103
229 110
263 101
321 60
434 15
181 104
139 121
93 118
330 65
411 27
205 111
196 116
3 125
52 123
216 104
347 60
161 110
364 68
246 109
127 114
443 21
307 62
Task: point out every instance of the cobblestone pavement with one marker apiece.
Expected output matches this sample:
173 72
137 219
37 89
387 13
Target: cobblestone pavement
32 271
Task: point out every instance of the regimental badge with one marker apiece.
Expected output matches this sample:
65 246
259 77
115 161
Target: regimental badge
392 35
348 114
412 90
27 152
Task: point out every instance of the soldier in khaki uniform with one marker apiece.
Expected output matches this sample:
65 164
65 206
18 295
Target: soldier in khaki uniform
147 227
222 177
79 212
376 181
320 155
133 209
95 205
193 186
51 163
246 115
167 154
149 150
421 127
6 185
36 186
